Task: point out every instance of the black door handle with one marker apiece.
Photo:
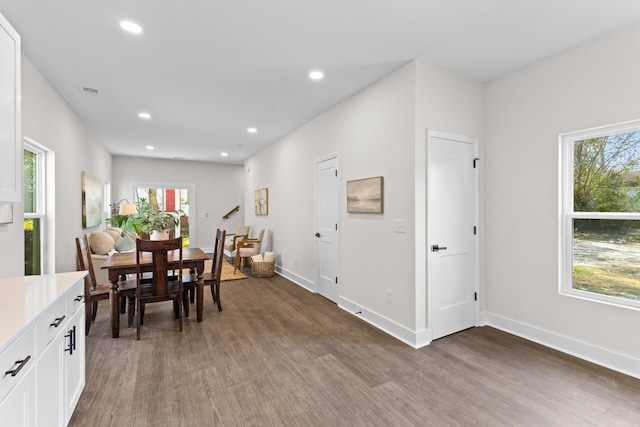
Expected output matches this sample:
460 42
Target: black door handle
317 234
436 248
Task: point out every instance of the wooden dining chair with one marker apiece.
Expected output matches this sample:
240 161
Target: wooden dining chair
161 286
212 278
209 278
93 291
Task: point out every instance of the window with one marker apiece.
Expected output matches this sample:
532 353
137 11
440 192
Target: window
169 198
34 210
600 214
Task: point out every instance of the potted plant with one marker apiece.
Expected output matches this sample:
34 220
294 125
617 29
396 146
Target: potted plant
155 221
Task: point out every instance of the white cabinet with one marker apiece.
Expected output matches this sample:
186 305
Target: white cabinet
60 367
18 408
74 370
48 355
18 382
10 127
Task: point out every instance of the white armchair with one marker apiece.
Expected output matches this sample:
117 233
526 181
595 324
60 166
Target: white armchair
248 247
231 240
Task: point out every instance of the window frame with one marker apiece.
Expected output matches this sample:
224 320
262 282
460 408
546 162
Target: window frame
40 200
567 214
190 187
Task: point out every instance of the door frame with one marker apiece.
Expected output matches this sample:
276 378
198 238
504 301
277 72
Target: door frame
476 218
324 158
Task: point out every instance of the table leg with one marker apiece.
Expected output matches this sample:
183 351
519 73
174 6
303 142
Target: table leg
115 309
200 300
200 292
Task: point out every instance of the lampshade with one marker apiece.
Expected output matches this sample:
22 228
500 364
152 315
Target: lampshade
128 209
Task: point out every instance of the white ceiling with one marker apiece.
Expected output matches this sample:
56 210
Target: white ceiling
208 69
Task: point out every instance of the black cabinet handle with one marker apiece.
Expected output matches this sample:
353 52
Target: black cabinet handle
22 362
78 298
436 248
72 340
57 322
317 234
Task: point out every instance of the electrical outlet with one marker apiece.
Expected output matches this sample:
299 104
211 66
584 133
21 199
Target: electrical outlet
389 294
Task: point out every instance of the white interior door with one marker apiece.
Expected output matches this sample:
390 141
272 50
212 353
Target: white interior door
452 214
327 227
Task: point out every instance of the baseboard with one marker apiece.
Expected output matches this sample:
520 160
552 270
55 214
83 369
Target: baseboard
402 333
298 280
594 354
407 336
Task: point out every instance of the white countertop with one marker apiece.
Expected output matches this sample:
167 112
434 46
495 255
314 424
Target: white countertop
23 299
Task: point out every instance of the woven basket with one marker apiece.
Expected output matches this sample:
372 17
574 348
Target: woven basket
263 269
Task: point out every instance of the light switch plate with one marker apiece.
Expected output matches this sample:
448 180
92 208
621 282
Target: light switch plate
399 226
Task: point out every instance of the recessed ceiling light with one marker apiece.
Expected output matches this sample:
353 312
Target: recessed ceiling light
224 154
316 75
131 27
144 115
252 130
149 147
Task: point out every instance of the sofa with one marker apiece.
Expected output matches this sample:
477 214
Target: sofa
106 242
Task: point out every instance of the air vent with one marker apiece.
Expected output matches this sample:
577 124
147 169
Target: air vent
91 91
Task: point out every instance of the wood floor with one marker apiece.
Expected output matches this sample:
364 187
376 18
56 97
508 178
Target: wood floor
281 356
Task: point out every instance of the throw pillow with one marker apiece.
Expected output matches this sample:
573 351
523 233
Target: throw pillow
269 257
114 232
125 244
101 242
132 234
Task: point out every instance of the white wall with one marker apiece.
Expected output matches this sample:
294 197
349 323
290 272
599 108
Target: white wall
379 131
590 86
373 134
448 103
219 188
48 120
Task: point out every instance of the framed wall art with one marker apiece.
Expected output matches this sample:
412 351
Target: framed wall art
365 195
262 201
92 199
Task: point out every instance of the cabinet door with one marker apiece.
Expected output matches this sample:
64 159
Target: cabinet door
19 407
51 383
10 130
74 363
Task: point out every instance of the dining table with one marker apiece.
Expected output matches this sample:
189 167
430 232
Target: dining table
123 263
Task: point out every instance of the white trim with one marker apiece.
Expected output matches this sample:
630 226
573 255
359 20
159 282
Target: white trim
46 202
414 339
601 356
566 213
298 280
402 333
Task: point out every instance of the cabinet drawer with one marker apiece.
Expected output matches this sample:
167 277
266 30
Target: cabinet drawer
14 358
75 298
53 321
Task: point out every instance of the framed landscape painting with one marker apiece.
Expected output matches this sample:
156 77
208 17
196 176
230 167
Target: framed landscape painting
365 195
92 198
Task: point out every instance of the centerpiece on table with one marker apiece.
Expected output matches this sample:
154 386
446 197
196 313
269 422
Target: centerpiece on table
159 224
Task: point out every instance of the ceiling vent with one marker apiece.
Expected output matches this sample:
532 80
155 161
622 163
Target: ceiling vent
91 91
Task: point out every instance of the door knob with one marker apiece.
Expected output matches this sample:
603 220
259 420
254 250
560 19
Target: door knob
317 234
436 248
